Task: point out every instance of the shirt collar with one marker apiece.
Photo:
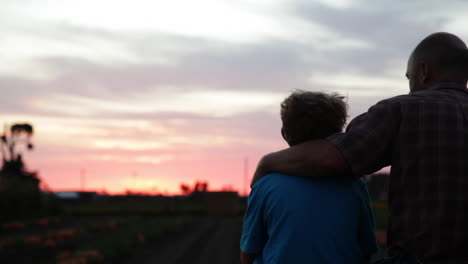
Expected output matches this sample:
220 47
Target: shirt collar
448 85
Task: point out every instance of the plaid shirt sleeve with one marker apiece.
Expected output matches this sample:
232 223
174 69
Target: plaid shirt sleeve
367 144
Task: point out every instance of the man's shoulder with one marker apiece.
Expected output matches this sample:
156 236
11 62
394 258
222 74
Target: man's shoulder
401 99
425 95
393 105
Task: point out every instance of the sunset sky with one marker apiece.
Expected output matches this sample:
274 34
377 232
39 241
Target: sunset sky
145 95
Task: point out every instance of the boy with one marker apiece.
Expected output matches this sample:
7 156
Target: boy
299 220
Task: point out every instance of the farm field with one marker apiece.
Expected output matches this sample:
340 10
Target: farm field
208 240
84 240
133 231
125 230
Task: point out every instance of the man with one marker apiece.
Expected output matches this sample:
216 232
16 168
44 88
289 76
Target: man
298 220
424 137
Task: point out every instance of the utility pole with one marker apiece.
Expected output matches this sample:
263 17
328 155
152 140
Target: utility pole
134 177
82 179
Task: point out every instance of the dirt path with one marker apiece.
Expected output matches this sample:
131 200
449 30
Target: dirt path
210 240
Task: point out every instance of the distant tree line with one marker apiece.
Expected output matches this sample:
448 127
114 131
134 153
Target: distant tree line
198 187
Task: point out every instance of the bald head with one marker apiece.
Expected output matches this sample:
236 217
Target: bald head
439 57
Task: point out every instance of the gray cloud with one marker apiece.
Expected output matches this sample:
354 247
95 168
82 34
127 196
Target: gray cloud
159 60
393 28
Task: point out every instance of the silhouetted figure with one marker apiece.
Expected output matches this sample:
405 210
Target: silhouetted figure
424 137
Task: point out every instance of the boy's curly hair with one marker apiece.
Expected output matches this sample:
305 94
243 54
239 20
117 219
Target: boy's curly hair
312 115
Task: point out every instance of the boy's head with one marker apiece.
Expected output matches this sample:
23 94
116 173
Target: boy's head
311 115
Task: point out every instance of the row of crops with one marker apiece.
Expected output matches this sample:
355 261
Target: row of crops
90 240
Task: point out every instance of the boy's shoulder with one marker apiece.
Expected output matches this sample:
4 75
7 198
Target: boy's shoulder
271 178
278 178
279 182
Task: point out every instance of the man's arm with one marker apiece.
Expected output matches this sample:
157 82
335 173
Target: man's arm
365 148
317 157
247 258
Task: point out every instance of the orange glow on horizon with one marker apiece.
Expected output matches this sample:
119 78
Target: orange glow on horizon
145 189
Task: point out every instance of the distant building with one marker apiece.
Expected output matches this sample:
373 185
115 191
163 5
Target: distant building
77 196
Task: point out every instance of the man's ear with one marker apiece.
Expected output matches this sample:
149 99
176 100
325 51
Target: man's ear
425 72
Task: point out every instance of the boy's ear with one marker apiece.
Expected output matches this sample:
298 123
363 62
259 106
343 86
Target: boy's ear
283 134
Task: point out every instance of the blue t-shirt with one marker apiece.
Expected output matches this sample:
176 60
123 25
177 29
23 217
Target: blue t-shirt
298 220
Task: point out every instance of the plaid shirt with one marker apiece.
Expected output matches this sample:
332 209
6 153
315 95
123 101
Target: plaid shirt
424 137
